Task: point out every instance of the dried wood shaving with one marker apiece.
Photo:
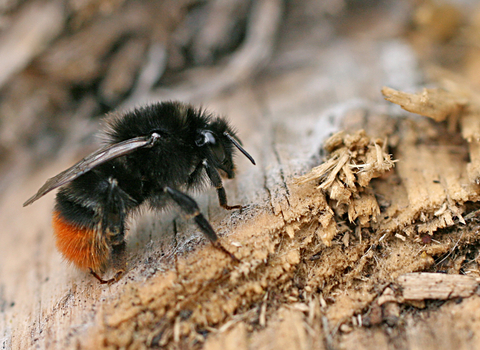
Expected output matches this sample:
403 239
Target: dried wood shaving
459 104
353 162
354 159
437 104
421 286
437 180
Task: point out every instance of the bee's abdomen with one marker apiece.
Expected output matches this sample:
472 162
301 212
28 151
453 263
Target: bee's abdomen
77 236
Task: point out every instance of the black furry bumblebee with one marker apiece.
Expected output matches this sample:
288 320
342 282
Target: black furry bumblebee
153 154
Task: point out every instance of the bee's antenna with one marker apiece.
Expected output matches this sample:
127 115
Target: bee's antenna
240 148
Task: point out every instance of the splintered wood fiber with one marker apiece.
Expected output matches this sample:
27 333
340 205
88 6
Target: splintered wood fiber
434 168
434 181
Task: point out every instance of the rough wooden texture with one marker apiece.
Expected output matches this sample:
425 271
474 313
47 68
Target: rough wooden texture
421 286
434 103
290 290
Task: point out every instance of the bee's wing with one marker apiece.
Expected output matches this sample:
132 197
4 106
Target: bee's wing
101 156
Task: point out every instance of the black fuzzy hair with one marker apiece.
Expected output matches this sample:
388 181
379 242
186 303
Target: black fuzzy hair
165 118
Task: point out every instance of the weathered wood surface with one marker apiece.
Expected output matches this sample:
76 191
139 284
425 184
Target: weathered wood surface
322 75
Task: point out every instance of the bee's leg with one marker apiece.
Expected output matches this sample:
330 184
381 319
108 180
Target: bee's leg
190 207
216 180
195 175
100 279
119 263
113 219
119 259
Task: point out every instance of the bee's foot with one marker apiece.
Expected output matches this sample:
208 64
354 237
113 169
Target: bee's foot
115 278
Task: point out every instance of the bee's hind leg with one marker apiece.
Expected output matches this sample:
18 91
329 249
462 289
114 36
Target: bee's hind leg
113 216
119 263
100 279
190 208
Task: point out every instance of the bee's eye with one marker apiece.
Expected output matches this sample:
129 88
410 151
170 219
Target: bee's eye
207 137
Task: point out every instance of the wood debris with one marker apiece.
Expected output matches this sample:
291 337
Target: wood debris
436 198
354 160
421 286
437 104
459 106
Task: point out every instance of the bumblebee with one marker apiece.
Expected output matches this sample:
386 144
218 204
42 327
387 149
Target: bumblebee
152 156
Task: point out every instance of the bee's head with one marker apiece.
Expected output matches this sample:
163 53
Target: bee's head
220 142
